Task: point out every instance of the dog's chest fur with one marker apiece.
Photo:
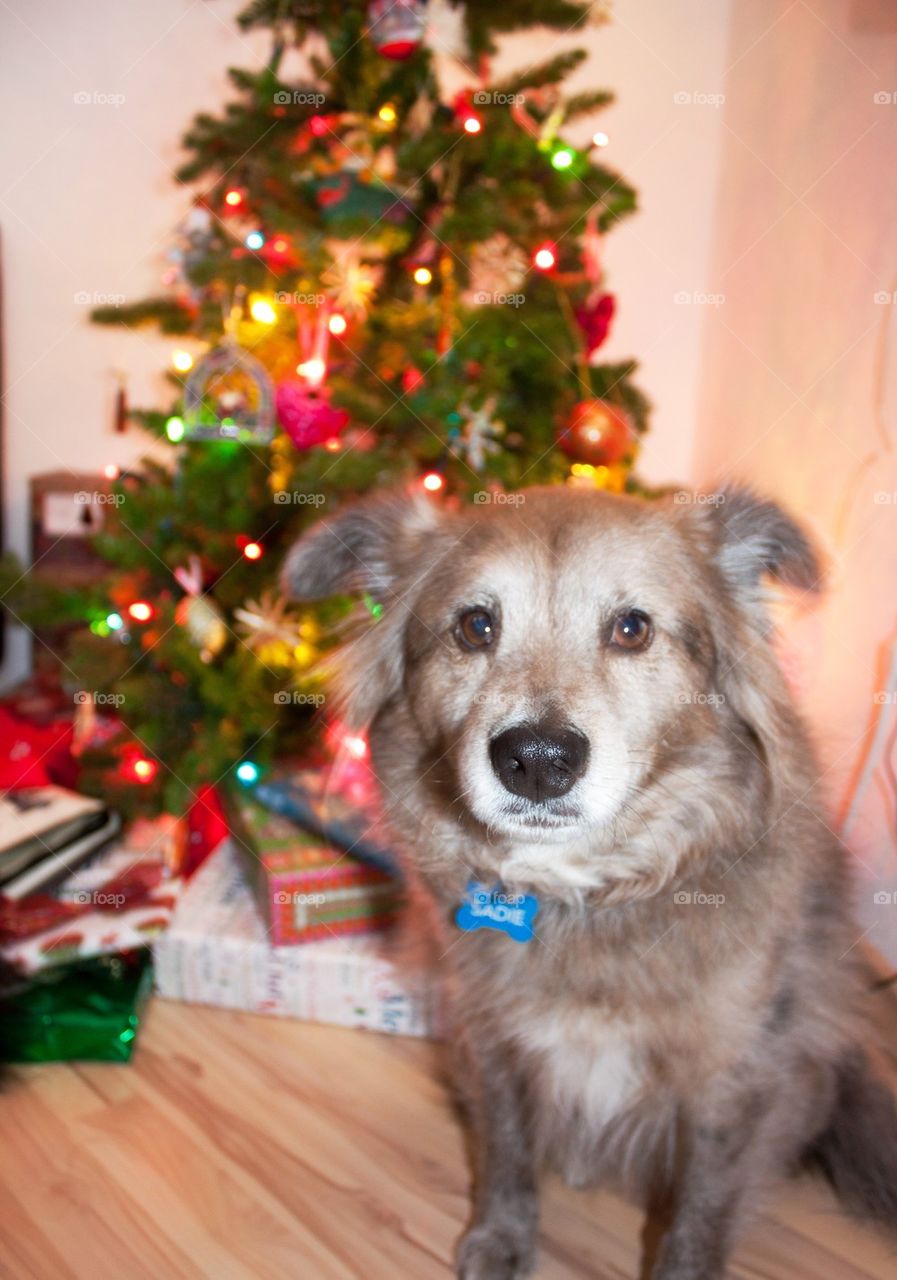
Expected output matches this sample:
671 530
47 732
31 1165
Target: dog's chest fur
586 1060
595 1104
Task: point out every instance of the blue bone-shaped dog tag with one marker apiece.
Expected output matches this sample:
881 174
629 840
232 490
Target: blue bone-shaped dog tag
496 908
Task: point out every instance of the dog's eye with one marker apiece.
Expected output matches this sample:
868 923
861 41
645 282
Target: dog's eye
475 629
632 630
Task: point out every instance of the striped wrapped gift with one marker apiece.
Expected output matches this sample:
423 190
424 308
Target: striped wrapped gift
308 890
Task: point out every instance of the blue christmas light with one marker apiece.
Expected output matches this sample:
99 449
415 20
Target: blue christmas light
248 772
255 240
114 621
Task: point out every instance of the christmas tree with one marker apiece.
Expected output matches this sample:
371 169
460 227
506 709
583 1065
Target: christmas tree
372 286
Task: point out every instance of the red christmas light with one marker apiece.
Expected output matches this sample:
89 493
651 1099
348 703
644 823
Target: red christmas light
139 768
545 257
141 611
233 198
253 551
433 482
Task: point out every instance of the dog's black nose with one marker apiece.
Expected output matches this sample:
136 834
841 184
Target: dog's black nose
537 764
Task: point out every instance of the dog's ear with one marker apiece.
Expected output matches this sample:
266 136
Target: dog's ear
378 546
362 549
748 537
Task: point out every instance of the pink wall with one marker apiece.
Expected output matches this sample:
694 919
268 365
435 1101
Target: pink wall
800 383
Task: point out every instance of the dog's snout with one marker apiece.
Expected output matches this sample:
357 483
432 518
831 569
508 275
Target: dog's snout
537 764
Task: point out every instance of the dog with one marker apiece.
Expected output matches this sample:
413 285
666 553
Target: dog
609 807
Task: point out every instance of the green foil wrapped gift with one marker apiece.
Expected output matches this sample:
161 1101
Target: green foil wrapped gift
86 1010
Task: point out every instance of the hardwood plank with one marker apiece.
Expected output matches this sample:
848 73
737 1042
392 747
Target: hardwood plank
248 1148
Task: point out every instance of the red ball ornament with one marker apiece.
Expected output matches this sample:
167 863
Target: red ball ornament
307 416
597 433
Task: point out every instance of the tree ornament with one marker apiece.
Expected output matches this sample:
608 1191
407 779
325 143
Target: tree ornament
350 283
594 318
481 436
229 396
396 27
269 629
306 414
199 614
204 623
498 267
597 433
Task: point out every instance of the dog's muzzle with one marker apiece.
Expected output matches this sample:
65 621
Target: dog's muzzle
538 764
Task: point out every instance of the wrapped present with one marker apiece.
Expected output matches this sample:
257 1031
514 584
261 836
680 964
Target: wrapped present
347 818
217 950
116 904
89 1010
307 890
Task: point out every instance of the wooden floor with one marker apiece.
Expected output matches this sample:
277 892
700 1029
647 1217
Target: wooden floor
238 1146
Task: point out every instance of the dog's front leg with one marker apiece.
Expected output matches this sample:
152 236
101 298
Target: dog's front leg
500 1244
721 1159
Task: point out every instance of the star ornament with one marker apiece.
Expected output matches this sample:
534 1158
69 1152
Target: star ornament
482 434
268 621
351 284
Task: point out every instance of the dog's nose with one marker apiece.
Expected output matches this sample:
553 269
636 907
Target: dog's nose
537 764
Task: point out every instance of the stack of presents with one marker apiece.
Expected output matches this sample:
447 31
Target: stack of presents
282 898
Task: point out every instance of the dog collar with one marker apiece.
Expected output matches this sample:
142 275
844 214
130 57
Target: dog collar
497 908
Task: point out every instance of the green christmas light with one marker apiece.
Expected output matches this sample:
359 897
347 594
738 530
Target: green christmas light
174 429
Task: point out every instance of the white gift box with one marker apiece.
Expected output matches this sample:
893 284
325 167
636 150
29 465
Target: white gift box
217 951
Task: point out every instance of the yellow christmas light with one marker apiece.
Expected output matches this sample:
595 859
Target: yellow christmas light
423 275
387 113
182 361
313 369
304 654
261 310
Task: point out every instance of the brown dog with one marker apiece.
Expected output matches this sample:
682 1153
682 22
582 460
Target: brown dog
574 711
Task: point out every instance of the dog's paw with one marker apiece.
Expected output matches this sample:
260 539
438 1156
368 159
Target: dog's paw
487 1253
